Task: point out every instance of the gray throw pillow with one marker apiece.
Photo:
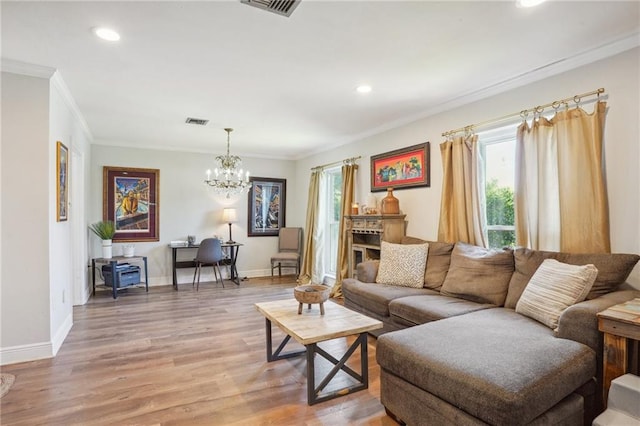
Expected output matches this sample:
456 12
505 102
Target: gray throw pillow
479 274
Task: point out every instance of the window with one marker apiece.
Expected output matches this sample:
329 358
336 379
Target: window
498 151
333 197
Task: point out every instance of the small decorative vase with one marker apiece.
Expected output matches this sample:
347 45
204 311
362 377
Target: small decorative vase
390 204
107 249
128 250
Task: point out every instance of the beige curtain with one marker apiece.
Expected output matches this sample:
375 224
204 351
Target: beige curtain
348 196
560 194
308 257
462 215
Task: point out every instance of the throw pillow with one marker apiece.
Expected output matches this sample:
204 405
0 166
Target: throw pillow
438 261
553 288
478 274
402 265
613 270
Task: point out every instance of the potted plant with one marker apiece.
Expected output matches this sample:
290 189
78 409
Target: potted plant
105 230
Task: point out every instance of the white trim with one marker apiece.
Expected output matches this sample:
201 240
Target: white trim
58 83
62 334
23 68
23 353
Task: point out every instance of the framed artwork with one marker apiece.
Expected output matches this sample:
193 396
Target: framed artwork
130 200
266 210
403 168
62 182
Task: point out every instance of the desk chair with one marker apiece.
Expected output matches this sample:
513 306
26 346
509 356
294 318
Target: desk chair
209 253
289 250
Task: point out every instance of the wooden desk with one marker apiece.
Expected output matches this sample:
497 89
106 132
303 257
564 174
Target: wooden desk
618 323
115 278
176 264
309 328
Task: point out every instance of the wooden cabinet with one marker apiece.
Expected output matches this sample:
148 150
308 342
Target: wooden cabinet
365 232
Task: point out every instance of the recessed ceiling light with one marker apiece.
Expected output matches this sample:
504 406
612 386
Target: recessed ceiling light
363 89
528 3
106 34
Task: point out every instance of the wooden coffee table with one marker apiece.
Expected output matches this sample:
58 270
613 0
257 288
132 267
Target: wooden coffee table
310 328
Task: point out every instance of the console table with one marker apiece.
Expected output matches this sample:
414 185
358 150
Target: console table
179 264
365 232
115 278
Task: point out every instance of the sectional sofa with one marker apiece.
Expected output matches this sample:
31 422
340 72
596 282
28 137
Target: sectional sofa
475 341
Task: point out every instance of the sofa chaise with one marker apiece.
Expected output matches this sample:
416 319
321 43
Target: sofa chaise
461 348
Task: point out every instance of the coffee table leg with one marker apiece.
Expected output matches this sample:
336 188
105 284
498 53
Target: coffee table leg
362 379
275 356
311 374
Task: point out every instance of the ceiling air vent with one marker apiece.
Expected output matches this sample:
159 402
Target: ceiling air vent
281 7
197 121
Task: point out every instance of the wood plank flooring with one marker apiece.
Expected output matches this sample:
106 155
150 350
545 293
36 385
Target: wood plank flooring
180 358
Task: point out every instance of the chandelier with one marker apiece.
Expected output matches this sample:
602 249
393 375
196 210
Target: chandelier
228 178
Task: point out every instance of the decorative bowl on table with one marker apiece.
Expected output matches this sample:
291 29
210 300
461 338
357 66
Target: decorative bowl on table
311 293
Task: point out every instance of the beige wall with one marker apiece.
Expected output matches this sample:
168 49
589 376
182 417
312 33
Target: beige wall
24 285
617 74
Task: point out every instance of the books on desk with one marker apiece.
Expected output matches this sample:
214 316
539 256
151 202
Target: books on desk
179 243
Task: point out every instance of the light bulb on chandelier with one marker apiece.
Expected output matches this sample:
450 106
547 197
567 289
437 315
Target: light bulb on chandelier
228 178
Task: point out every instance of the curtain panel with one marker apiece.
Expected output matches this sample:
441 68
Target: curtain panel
560 190
462 215
348 196
311 225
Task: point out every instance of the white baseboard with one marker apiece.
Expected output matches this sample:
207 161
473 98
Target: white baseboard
23 353
62 333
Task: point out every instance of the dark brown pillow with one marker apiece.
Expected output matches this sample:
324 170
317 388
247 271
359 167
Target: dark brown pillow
438 261
478 274
613 270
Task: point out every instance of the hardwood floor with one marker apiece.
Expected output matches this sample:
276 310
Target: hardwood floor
180 358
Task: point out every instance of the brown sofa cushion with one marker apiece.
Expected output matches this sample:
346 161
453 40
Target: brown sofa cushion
376 297
438 261
494 364
422 309
613 270
479 274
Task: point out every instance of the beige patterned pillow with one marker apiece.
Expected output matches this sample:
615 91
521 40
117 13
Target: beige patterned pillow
553 288
402 264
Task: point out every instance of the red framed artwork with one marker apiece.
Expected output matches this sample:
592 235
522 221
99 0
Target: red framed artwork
130 200
400 169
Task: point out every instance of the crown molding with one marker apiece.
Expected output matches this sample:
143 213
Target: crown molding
23 68
605 50
58 83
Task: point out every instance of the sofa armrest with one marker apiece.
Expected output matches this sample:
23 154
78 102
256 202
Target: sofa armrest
367 271
579 322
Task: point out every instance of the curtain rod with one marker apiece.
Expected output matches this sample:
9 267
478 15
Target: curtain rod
351 160
536 110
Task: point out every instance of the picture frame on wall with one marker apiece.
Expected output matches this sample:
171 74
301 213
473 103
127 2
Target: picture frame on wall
131 201
266 208
401 169
62 182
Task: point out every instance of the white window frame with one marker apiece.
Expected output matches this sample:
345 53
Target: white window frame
502 134
331 252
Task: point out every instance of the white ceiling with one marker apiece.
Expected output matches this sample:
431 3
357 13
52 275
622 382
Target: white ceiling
287 85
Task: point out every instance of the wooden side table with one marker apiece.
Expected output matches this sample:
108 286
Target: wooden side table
618 323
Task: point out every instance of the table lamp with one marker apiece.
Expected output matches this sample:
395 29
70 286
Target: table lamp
229 215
